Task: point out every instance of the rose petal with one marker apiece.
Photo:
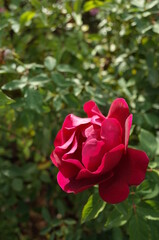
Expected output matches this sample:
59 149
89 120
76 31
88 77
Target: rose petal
137 163
70 167
72 149
119 109
102 170
96 120
58 140
114 191
111 159
130 171
111 133
85 178
92 154
53 159
72 121
91 109
72 186
63 182
60 150
128 124
70 125
91 131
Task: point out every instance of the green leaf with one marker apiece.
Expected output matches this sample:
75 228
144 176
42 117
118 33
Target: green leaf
71 100
12 172
46 230
149 213
33 66
139 4
70 221
152 119
77 6
152 192
59 80
50 63
15 84
26 17
17 184
66 68
143 26
29 169
33 100
117 234
156 27
148 141
15 25
154 230
138 228
46 215
4 99
39 80
52 236
92 4
57 103
151 4
124 208
35 3
153 76
93 207
115 219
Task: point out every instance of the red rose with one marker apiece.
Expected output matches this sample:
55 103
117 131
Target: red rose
94 150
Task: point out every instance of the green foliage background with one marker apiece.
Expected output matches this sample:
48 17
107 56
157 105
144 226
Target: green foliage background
54 56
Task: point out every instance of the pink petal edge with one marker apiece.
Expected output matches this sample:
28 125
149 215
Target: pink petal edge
119 109
91 109
128 124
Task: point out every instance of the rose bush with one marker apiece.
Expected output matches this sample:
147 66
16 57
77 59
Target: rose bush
94 150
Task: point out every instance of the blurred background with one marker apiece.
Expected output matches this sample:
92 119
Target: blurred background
55 56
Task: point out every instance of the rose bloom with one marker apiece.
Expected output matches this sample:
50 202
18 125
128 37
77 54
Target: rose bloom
94 150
